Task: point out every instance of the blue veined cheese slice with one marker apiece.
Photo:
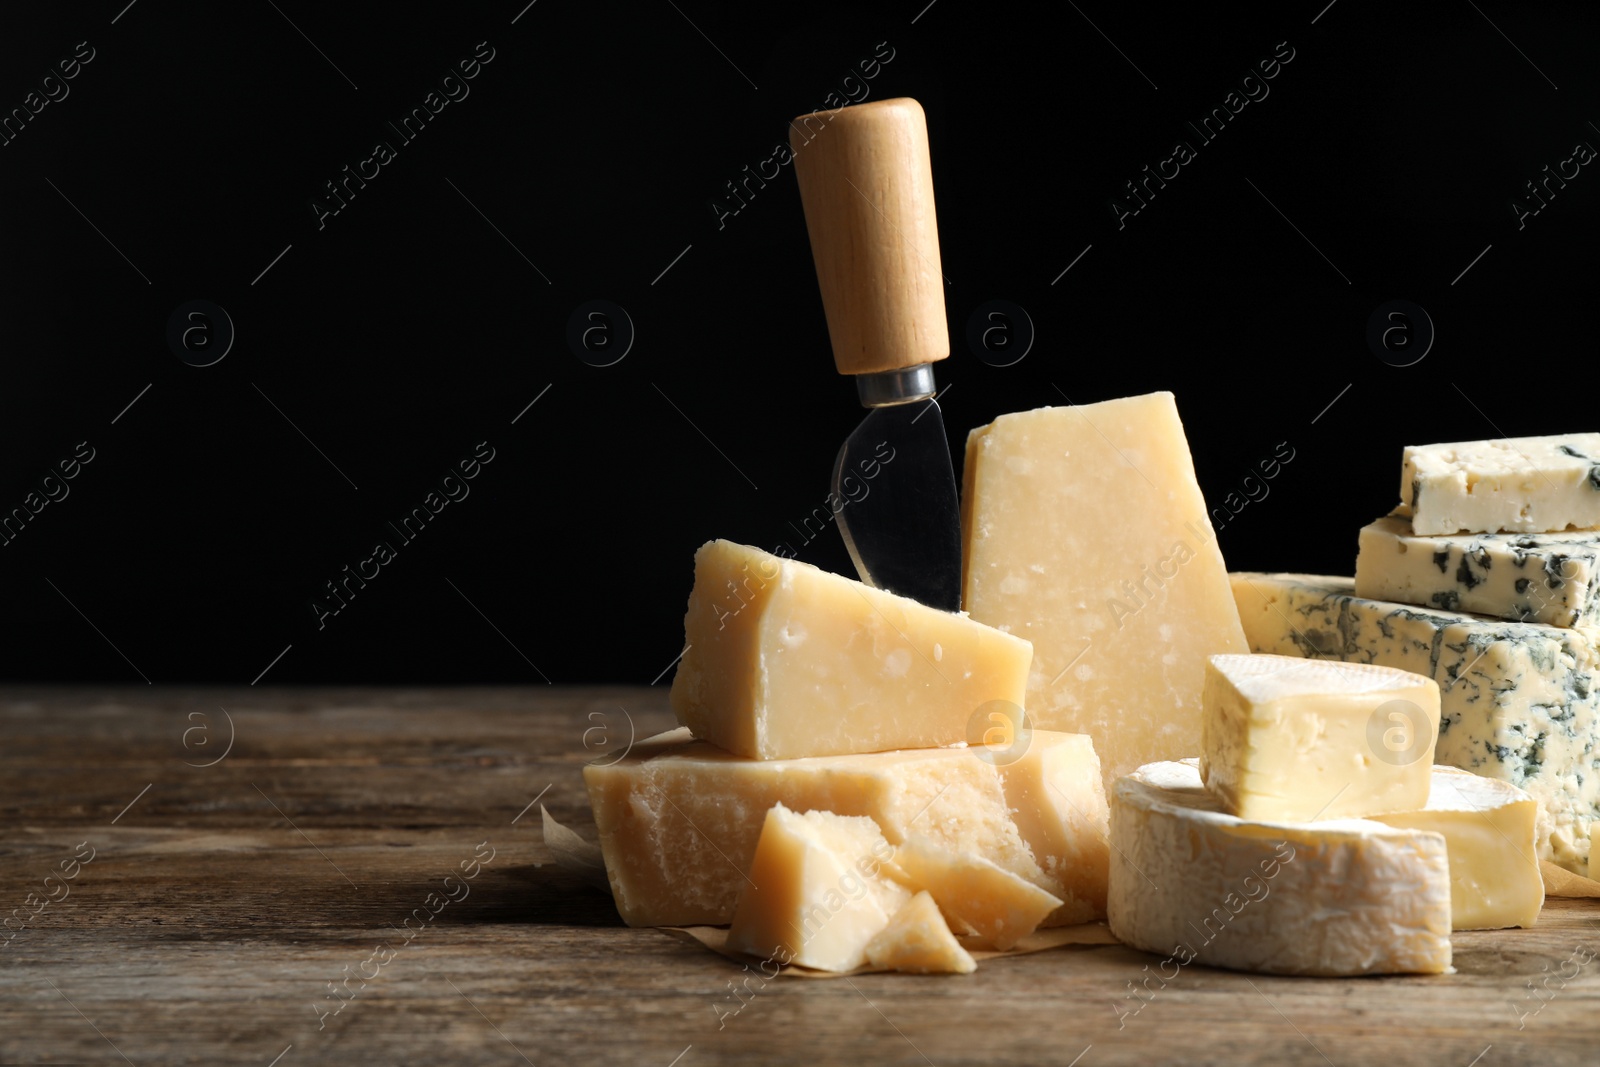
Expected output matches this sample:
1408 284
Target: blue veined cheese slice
1518 701
1333 898
1511 485
1552 578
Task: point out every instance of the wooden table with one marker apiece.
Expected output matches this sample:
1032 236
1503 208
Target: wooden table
222 902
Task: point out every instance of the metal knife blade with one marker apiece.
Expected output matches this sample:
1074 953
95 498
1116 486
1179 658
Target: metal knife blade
901 519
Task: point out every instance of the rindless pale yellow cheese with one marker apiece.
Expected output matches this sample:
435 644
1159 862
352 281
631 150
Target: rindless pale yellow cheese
1489 828
1338 897
918 941
816 894
679 818
1286 739
786 660
1085 532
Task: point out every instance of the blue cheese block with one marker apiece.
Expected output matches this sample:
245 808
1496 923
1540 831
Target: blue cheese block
1518 701
1549 578
1508 485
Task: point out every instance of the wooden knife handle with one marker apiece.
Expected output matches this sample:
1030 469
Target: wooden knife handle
867 187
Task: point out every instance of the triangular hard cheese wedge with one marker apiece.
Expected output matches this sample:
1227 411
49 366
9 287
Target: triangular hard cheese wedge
918 941
995 905
816 892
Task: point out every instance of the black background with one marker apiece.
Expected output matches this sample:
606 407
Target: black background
415 324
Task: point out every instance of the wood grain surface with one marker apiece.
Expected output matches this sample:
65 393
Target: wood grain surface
223 902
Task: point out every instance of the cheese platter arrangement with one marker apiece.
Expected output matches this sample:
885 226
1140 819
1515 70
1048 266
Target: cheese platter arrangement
1048 715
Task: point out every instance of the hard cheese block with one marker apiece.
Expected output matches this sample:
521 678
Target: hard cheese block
679 819
918 941
1513 484
1518 701
1489 828
1085 532
786 660
1546 577
1057 800
992 904
1288 739
1342 897
816 893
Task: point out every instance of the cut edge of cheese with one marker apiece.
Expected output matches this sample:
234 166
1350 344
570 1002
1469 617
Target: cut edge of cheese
1510 484
1058 802
1519 702
1289 739
1549 578
1489 828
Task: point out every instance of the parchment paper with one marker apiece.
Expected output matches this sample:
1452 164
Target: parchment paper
1560 882
715 938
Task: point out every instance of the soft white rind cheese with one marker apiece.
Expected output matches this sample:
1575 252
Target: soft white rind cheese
1515 484
1341 897
1552 578
1488 827
1518 701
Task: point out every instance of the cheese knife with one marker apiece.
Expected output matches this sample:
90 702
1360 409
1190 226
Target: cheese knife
867 188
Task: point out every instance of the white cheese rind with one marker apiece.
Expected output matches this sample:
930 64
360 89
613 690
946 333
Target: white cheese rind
1511 485
1518 701
1551 578
1336 898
